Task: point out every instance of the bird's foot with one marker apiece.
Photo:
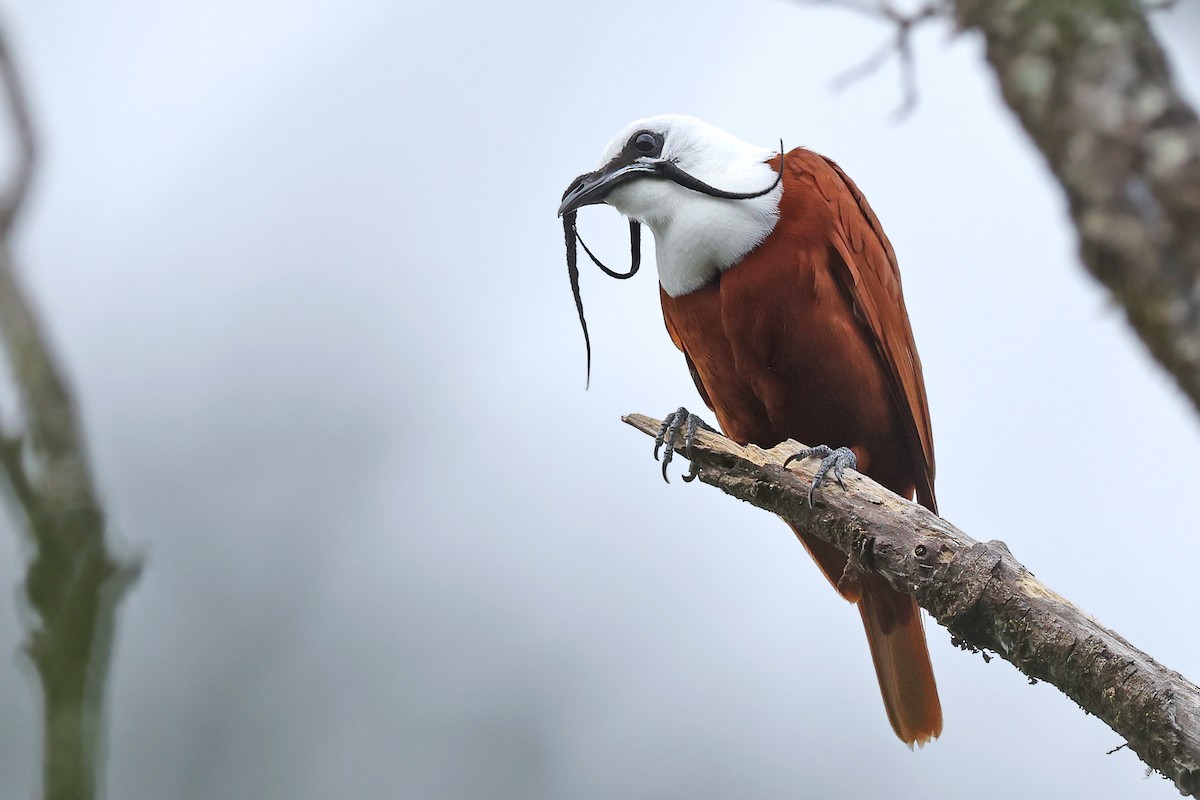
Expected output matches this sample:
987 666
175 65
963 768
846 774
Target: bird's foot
687 423
836 460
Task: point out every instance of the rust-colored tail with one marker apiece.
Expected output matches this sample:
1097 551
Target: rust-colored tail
897 639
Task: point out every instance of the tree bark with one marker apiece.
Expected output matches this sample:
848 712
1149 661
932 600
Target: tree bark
978 592
1090 84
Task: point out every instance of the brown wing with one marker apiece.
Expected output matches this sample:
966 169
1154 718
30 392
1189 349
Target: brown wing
808 338
872 280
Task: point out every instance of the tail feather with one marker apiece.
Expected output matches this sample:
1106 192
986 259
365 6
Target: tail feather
896 637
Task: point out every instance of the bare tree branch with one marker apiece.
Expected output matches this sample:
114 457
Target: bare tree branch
899 45
978 592
74 581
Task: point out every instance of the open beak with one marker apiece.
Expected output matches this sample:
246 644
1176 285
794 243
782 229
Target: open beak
593 187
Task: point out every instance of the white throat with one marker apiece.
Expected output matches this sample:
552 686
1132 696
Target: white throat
697 237
707 236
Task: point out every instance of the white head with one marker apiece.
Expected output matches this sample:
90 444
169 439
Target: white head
663 171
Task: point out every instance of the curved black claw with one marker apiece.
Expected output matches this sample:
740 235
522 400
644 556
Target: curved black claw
668 434
837 460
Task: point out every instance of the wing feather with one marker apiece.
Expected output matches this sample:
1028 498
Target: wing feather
873 282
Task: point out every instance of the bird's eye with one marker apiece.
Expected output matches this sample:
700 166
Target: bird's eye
647 143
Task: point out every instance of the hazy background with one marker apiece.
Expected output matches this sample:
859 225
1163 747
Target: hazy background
301 261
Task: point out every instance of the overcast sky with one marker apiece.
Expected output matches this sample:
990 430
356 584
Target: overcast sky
301 261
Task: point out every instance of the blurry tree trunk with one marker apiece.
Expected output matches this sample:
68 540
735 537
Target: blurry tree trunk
1090 84
74 581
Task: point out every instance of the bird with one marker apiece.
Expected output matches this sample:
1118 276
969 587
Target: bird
782 291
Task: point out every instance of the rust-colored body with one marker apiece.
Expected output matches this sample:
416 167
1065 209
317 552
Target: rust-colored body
808 338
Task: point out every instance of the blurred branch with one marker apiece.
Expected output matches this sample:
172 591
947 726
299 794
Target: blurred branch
978 592
18 110
74 581
900 45
1090 84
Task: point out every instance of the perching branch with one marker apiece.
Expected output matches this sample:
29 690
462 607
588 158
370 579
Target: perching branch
978 592
74 581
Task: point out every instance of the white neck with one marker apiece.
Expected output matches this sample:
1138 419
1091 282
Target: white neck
697 237
709 235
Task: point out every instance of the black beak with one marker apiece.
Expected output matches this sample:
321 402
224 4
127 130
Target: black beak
593 187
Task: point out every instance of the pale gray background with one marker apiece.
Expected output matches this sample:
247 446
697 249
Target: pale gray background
301 261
